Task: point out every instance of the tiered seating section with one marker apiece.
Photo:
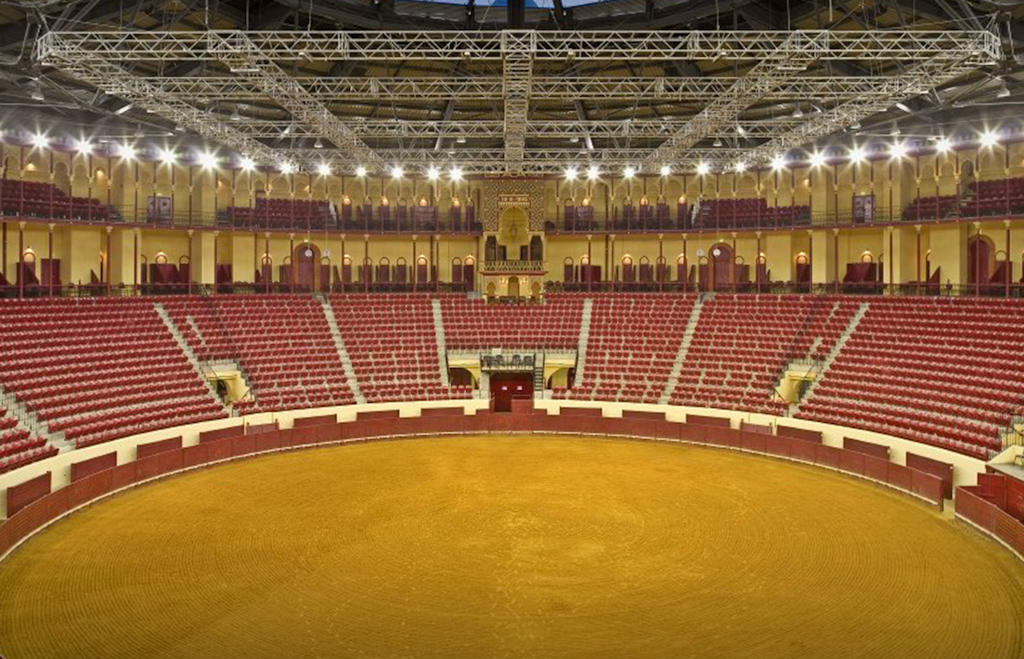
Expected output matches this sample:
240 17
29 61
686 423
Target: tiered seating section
97 369
282 343
924 208
281 214
944 371
37 199
472 324
392 344
994 198
755 212
18 446
632 345
742 344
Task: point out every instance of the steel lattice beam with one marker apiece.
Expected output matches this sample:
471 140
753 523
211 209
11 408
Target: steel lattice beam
487 88
979 47
246 61
923 59
517 69
594 128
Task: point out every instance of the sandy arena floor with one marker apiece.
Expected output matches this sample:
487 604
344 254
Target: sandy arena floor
511 547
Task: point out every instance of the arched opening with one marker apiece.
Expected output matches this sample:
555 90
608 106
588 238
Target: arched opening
513 286
981 259
535 291
721 261
305 258
461 377
536 249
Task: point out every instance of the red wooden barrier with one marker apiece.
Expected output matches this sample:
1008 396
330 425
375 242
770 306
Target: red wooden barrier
260 427
378 414
122 475
803 450
645 416
581 411
32 505
927 486
442 411
781 446
876 468
19 496
943 470
323 419
717 421
221 433
867 448
900 476
80 470
755 427
754 441
159 464
152 448
798 433
827 455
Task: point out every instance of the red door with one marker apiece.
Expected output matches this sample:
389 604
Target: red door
506 386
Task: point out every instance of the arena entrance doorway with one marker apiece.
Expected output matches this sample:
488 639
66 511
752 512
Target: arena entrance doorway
508 386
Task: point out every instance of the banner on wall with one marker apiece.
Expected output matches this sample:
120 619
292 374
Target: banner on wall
159 209
864 208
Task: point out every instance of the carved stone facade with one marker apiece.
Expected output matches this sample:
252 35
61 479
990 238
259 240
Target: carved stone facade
525 193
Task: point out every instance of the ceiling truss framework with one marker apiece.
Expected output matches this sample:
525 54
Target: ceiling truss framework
520 70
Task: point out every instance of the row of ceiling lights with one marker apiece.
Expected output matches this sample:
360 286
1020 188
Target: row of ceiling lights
208 160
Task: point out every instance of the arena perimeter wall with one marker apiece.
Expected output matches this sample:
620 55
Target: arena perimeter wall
42 492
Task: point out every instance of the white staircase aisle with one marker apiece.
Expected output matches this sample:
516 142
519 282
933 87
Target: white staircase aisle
189 352
31 422
339 344
581 350
442 351
833 353
684 347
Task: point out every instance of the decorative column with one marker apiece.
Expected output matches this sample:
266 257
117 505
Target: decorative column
191 265
21 259
49 259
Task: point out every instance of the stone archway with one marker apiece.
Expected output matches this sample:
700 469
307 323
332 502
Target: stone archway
513 286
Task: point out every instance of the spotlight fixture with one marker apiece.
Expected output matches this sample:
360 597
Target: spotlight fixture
397 171
797 112
324 169
433 173
903 106
460 140
570 173
126 152
778 162
287 168
717 142
360 171
988 139
740 130
455 173
124 108
593 172
247 164
235 115
817 159
40 141
629 172
665 170
942 145
703 168
574 139
167 156
856 155
897 150
207 160
318 144
84 147
741 167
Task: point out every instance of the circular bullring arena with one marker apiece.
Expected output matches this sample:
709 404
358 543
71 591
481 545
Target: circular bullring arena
510 546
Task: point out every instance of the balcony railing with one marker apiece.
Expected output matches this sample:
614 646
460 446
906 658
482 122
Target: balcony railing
514 266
